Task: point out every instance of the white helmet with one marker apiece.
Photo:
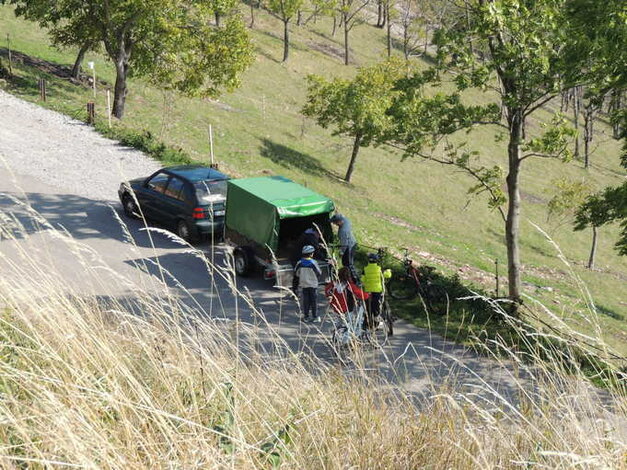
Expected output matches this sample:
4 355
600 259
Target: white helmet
308 249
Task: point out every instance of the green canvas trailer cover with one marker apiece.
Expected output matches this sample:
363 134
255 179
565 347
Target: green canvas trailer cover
256 206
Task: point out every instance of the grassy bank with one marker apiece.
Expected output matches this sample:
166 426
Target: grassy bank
146 383
392 203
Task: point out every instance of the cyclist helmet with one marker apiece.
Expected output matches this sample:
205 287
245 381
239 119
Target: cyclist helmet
308 250
373 257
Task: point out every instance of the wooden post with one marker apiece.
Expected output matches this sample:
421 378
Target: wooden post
10 56
109 106
91 112
92 66
496 276
42 89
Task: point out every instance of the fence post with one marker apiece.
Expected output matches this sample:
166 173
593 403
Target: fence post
496 276
91 112
10 56
42 89
92 66
109 106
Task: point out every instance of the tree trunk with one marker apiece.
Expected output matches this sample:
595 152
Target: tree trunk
299 18
380 14
351 165
389 28
576 103
334 26
406 40
512 222
217 16
593 248
615 106
345 40
588 132
76 69
120 90
286 39
252 15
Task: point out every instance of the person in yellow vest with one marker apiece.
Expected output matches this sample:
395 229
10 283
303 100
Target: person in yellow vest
373 281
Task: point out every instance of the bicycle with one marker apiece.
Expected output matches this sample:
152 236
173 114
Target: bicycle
418 281
349 337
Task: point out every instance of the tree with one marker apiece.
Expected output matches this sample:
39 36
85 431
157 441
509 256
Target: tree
220 8
524 66
285 10
608 206
568 196
418 20
592 103
49 14
356 108
350 11
169 42
601 29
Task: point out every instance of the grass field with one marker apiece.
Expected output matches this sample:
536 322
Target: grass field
393 203
145 382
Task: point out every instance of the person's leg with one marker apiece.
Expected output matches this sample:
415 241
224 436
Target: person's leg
314 303
346 257
376 304
305 304
348 260
368 314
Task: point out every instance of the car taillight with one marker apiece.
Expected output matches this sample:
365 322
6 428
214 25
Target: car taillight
198 213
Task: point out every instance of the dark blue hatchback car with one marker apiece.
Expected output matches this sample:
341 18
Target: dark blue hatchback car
190 199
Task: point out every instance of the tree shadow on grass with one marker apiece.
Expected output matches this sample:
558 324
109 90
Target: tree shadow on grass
293 159
46 67
61 71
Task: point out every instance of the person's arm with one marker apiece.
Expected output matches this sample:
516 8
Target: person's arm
296 277
327 289
317 268
357 292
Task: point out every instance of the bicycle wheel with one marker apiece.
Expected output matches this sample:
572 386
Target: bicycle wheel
436 298
388 319
402 288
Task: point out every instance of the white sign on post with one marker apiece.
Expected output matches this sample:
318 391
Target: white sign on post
92 66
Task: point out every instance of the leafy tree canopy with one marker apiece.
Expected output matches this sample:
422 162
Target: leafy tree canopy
170 42
357 106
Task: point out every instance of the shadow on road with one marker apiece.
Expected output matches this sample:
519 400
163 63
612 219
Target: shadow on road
81 217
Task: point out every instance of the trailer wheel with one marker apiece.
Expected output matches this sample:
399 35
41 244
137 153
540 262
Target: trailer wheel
243 261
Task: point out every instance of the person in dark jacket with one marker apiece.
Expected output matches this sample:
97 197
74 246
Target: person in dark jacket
306 275
348 243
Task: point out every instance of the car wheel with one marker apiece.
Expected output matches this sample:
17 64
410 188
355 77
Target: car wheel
184 231
242 262
130 208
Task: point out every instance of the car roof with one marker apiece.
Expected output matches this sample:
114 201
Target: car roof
194 173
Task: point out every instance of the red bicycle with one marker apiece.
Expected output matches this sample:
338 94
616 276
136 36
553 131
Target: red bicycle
418 280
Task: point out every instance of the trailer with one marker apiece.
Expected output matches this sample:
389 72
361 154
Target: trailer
265 216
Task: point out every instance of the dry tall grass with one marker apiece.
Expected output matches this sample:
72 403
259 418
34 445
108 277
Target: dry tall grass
144 383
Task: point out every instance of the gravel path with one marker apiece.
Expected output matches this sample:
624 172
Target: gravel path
65 153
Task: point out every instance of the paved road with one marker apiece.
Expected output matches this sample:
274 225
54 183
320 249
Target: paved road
69 175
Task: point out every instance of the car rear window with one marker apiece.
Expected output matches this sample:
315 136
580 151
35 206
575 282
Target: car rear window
210 192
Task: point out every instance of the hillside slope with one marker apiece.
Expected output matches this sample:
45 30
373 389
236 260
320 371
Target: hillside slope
393 203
